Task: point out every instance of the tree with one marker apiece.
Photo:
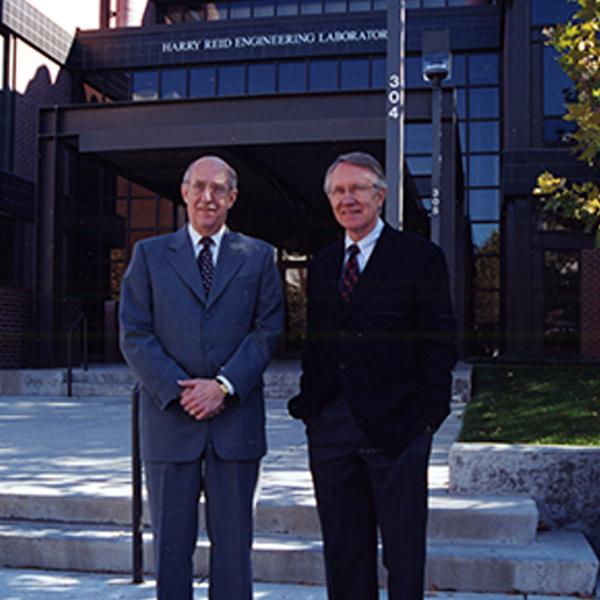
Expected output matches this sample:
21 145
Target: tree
578 43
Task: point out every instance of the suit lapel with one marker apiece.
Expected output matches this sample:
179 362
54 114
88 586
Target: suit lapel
180 256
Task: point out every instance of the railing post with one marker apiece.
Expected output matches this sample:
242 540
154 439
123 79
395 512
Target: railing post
80 319
136 478
85 344
69 366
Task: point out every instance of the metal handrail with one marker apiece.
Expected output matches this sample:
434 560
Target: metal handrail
136 479
80 319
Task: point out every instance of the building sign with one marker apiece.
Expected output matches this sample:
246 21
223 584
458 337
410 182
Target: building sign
131 48
273 40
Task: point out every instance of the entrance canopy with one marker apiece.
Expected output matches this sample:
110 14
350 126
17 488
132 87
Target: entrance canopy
280 146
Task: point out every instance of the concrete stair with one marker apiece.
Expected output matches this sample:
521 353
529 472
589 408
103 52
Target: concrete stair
58 520
281 381
475 544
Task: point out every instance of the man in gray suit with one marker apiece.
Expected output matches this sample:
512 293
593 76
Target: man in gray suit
201 312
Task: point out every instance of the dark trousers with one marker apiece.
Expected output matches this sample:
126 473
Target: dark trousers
174 492
358 489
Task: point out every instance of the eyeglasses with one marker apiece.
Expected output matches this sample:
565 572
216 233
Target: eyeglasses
356 190
218 191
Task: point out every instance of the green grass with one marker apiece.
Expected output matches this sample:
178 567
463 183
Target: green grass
534 404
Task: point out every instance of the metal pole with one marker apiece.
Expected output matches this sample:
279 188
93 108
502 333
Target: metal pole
136 479
396 20
436 159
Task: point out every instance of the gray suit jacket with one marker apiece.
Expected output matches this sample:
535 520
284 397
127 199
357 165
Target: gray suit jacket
171 330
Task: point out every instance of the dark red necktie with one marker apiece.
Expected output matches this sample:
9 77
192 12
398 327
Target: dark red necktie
205 262
351 271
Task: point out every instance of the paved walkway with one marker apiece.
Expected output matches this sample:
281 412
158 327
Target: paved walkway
81 447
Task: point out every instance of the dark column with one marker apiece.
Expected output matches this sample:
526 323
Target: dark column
104 14
452 222
46 305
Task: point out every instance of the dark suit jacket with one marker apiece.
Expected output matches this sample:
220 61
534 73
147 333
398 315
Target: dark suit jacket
171 330
390 351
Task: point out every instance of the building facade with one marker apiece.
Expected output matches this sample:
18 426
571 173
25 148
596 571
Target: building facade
98 123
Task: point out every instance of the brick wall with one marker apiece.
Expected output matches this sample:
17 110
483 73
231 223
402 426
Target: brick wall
16 328
590 303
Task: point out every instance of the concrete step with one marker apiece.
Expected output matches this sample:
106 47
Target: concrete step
281 381
558 562
474 519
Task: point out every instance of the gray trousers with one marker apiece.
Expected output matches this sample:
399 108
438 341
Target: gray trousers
174 492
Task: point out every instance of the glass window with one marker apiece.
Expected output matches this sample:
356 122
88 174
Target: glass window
558 87
202 82
287 8
355 74
550 12
418 138
484 170
483 68
486 238
359 5
323 76
335 6
231 80
419 165
311 7
487 268
557 130
378 73
116 85
261 79
462 134
484 205
292 77
486 311
145 85
380 5
484 136
216 11
239 10
172 84
414 72
433 3
264 8
461 102
483 103
458 74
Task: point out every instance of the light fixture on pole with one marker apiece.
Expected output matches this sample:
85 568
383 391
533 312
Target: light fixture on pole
436 61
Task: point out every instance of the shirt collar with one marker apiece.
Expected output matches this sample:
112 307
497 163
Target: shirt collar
368 241
216 238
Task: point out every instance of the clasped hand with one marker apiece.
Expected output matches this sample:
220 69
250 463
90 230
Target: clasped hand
201 398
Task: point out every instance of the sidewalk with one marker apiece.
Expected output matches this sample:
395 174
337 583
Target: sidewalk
39 585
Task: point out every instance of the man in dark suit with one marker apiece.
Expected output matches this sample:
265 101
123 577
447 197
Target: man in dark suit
201 312
376 381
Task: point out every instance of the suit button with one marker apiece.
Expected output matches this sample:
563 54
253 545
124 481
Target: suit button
342 366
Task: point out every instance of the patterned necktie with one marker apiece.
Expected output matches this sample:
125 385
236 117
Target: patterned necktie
205 262
350 275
